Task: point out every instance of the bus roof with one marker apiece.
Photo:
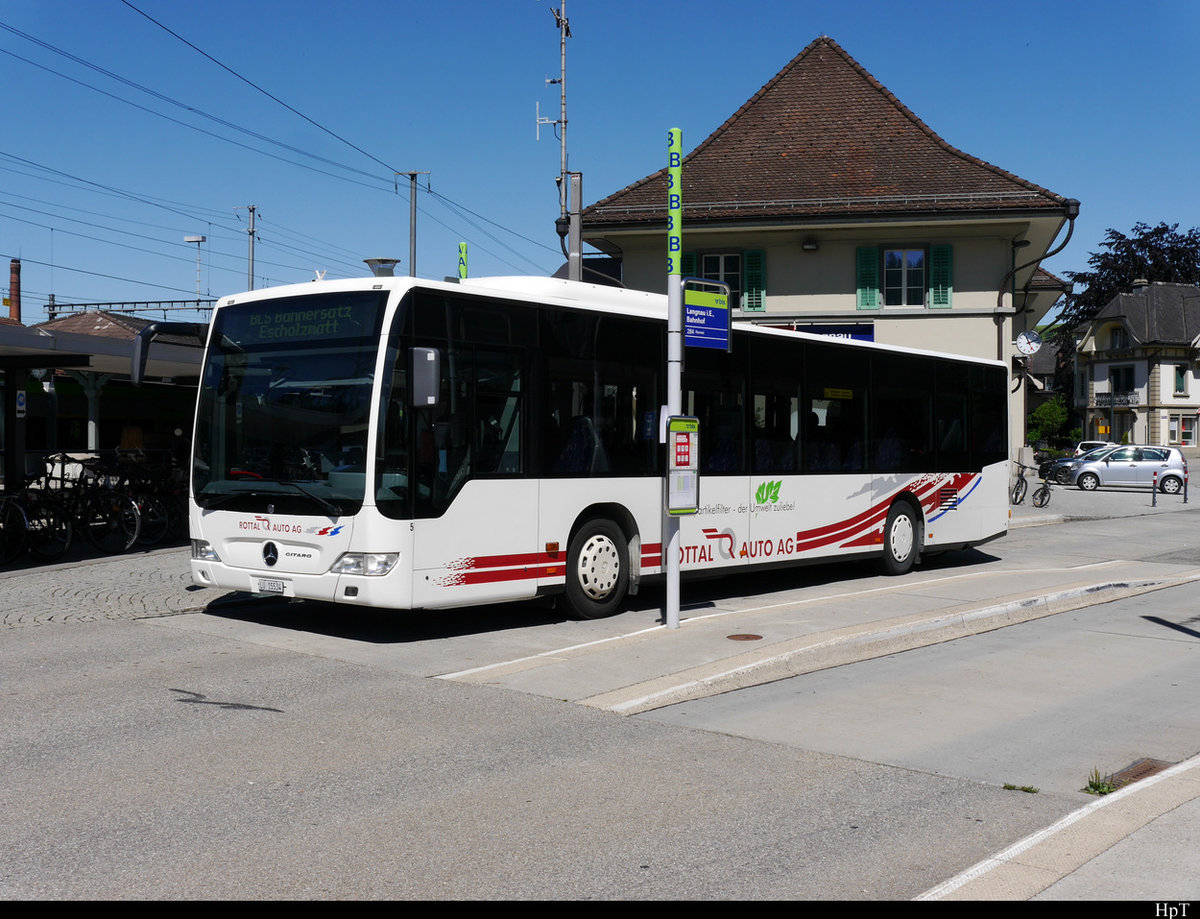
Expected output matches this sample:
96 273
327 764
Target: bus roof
571 294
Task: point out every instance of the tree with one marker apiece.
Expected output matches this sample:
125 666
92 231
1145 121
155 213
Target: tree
1159 253
1047 421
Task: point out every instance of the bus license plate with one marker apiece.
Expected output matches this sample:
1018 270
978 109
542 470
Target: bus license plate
272 586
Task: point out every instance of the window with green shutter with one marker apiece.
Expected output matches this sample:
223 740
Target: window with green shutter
868 277
904 277
744 272
756 281
941 276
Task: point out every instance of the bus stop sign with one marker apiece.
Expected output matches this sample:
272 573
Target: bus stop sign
706 317
683 465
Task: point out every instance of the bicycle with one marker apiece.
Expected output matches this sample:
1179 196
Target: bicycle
132 478
1041 494
110 520
14 530
1017 495
49 528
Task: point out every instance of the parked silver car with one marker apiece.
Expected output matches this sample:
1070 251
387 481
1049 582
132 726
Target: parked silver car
1130 467
1056 469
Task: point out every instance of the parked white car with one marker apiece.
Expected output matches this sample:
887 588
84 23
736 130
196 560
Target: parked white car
1130 467
1087 446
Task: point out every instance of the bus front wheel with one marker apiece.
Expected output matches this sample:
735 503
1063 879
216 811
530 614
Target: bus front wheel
597 569
900 539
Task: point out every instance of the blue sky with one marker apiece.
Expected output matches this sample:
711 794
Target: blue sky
1092 100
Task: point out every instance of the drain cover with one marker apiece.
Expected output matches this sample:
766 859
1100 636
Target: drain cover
1142 769
744 636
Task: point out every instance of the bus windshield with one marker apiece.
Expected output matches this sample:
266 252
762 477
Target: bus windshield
285 404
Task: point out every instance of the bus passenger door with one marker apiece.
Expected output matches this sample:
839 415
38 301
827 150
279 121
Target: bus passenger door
476 512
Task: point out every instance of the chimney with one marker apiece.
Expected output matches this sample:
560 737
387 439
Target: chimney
14 290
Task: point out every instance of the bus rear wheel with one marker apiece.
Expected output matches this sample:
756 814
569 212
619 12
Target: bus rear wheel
597 569
900 539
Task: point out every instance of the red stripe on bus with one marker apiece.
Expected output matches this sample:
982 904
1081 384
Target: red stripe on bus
476 576
852 529
507 561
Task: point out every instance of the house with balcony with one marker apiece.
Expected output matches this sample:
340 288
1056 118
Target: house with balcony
1136 376
828 206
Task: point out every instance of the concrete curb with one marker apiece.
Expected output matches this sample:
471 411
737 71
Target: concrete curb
862 642
1030 866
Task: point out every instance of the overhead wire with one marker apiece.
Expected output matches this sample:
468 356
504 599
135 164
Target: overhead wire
96 274
459 211
451 205
255 86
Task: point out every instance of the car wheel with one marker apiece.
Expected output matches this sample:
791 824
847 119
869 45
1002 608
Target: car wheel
1088 482
597 569
1170 485
900 539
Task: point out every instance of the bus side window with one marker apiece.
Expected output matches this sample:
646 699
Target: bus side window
834 409
498 399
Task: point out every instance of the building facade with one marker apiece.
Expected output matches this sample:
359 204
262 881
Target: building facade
1136 367
828 206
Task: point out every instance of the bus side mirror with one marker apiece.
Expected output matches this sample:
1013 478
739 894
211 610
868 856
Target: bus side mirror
141 351
141 343
425 377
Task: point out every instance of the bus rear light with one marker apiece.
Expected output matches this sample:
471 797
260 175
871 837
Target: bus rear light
371 564
202 551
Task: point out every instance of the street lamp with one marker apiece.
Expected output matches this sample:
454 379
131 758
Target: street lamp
198 240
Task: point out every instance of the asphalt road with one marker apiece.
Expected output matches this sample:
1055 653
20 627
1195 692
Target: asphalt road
145 761
155 750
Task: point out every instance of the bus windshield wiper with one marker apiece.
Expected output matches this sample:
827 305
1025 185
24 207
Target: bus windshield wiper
332 509
209 503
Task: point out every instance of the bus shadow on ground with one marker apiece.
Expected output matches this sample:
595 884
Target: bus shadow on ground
387 626
383 626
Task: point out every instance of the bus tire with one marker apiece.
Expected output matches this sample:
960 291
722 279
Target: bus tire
597 569
901 539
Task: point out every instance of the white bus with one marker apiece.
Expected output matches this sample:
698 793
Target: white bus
409 444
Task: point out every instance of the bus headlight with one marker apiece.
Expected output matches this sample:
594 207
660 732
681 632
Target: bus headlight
202 551
371 564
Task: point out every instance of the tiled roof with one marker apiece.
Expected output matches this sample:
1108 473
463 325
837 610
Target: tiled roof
1044 280
1161 313
98 323
823 139
102 324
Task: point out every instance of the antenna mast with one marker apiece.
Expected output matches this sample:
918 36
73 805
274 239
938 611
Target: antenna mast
568 204
252 208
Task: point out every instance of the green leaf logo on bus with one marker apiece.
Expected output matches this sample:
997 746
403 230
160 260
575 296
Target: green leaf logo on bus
768 492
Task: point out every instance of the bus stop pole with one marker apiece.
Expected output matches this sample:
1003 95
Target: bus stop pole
671 551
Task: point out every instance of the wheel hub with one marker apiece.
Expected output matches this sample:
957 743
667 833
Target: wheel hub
901 537
599 567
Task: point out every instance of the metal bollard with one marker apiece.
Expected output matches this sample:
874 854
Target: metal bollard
1154 490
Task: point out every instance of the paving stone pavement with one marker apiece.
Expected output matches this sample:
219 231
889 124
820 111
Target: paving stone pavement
139 585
